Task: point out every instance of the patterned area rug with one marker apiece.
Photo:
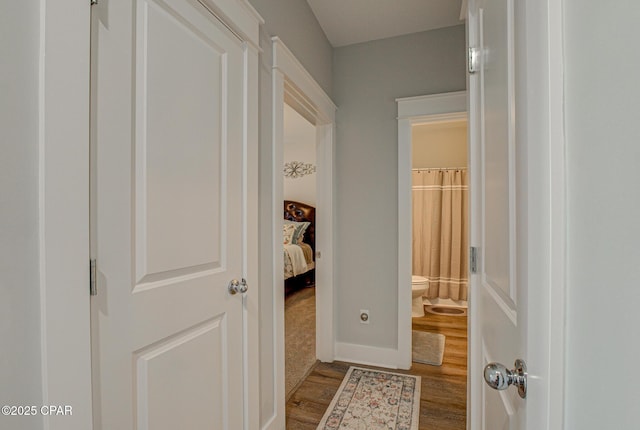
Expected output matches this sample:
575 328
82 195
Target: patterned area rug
374 400
428 348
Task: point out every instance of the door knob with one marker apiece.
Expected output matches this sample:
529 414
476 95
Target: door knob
497 376
236 286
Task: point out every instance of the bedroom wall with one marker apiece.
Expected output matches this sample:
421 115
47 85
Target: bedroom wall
295 24
20 375
603 155
367 79
439 145
299 145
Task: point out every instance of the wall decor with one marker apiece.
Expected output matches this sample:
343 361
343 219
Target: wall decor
298 169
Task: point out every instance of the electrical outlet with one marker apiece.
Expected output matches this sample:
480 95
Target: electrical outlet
364 316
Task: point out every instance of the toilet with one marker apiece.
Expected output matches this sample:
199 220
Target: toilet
418 287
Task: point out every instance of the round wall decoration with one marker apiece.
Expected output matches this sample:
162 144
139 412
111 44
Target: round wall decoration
298 169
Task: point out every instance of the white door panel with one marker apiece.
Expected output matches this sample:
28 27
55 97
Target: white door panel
498 309
497 105
181 98
168 112
499 415
160 408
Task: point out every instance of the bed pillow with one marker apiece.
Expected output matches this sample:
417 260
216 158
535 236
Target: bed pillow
288 230
300 228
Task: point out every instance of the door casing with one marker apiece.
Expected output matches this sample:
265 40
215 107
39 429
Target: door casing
413 111
63 171
293 85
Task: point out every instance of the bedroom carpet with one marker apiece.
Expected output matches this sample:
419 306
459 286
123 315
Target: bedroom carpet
428 348
300 337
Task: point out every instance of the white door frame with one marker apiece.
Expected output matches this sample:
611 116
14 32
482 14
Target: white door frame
63 211
411 111
291 82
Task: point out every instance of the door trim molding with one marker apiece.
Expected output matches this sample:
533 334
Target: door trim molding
251 269
558 237
547 200
411 111
292 82
63 211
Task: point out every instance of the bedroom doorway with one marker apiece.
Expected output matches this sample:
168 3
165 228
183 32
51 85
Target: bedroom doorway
294 87
299 231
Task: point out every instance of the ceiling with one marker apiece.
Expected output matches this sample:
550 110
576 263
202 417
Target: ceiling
346 22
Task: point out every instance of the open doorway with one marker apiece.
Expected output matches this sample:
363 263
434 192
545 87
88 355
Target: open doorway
299 233
293 87
440 218
440 234
432 137
420 113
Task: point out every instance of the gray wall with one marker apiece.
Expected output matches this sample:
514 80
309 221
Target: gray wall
603 150
296 25
20 376
367 79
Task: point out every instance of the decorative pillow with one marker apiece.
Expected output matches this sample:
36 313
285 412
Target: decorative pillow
288 230
301 227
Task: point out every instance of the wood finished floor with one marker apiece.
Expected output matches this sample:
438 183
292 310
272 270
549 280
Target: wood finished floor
444 388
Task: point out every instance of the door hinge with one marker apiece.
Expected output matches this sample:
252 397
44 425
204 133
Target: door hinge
473 259
94 2
93 287
473 60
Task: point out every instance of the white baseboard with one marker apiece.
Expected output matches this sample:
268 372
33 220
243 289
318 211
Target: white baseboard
362 354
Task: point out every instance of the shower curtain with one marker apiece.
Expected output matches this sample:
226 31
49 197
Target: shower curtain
440 231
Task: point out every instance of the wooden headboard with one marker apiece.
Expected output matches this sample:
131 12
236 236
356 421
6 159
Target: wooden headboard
297 211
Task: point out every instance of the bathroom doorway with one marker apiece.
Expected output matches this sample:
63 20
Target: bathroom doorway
440 220
439 251
430 116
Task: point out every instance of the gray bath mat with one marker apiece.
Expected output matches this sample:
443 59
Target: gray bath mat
428 348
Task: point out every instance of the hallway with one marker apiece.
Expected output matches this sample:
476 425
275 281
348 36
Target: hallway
443 393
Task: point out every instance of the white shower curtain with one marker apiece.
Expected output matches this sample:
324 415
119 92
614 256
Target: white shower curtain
440 231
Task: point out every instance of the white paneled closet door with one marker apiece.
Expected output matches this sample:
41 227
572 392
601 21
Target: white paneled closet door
169 193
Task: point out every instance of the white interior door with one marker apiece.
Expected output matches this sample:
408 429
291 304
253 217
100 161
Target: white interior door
168 200
499 305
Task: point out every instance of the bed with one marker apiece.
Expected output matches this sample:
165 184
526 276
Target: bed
299 242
